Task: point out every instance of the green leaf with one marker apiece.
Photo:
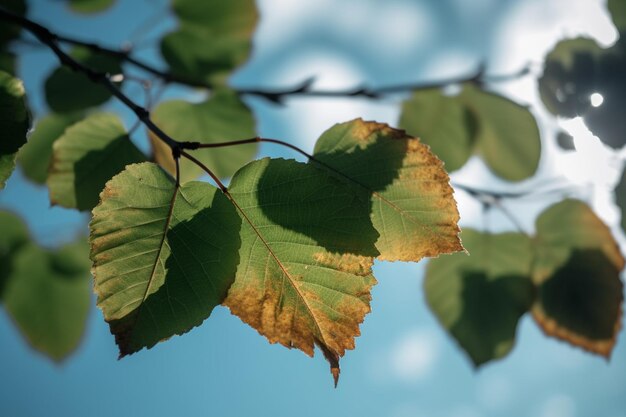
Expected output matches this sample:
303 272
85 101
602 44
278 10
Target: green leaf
444 122
579 68
220 17
412 206
304 281
9 31
8 62
85 157
577 270
617 8
69 91
480 298
221 118
14 235
48 297
566 82
163 257
34 157
565 141
90 6
14 123
213 39
7 165
620 198
502 132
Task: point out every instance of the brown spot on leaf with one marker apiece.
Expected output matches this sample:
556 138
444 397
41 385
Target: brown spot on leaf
345 262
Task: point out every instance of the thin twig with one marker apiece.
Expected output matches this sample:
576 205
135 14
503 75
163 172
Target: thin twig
51 41
303 89
125 55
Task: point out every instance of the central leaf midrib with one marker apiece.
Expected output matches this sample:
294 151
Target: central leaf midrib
156 259
280 265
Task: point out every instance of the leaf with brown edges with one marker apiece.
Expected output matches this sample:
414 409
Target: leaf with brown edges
577 267
304 280
412 202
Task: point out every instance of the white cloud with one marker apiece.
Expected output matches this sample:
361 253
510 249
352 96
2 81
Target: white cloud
414 355
559 405
495 392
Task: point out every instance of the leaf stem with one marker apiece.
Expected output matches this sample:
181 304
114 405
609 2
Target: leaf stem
206 169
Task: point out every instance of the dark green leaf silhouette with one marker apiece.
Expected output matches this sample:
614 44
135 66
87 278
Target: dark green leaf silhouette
620 198
479 298
14 123
69 91
14 235
578 68
565 141
213 39
9 32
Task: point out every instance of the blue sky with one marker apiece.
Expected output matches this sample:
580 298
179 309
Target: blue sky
404 364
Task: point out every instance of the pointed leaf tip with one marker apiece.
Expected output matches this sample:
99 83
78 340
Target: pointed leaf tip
335 372
305 272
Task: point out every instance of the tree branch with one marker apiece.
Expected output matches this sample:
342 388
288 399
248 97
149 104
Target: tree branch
304 89
50 39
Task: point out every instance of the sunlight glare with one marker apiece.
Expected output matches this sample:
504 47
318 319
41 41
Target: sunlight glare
596 99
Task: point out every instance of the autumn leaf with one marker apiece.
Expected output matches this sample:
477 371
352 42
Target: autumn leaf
412 203
577 271
305 280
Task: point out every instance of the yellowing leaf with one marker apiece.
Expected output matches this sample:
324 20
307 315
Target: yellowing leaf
412 203
577 269
163 256
307 247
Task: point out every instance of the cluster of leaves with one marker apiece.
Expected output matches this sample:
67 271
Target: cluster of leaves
288 246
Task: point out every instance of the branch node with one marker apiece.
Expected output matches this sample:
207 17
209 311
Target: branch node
190 145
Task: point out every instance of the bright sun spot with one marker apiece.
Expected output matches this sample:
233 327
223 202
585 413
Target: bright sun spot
596 99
